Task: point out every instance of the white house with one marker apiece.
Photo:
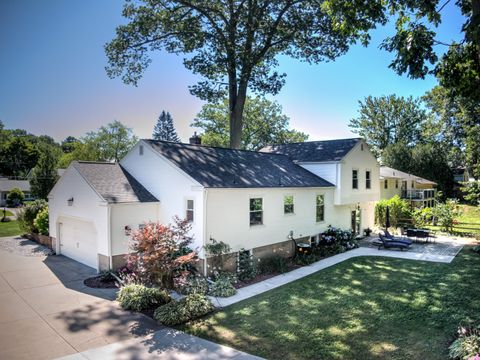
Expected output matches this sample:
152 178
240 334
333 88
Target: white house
249 200
418 191
7 185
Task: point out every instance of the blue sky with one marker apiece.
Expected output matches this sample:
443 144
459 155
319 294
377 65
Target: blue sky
52 77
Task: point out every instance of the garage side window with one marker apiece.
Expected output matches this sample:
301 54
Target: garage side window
256 211
190 210
354 179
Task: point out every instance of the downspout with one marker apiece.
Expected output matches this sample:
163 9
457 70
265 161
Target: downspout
205 196
110 260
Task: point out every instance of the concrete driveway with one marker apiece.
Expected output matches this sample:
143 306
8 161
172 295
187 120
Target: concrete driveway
47 312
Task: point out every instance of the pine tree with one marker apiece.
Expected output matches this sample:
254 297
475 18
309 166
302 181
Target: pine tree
164 129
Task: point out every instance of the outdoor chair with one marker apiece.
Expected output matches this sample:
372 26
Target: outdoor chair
390 244
390 237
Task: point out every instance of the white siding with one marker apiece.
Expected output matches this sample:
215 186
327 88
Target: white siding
361 161
131 215
391 191
228 215
327 171
87 206
171 186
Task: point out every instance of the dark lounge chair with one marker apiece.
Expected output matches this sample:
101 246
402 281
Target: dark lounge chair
391 244
390 237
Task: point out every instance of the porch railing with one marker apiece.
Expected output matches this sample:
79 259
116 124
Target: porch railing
415 194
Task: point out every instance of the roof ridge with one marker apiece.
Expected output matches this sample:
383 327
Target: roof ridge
316 141
200 146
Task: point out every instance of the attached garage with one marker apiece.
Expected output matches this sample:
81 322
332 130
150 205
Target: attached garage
91 208
78 240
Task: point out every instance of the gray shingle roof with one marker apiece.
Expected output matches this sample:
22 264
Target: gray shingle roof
227 168
113 182
7 185
314 151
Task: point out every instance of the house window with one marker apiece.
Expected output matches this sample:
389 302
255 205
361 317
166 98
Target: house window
256 211
396 184
190 210
385 184
141 226
413 184
140 149
288 204
368 181
354 179
320 208
361 147
404 185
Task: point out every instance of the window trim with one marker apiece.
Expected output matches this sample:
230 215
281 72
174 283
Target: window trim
396 183
192 210
318 206
293 205
250 211
368 179
358 178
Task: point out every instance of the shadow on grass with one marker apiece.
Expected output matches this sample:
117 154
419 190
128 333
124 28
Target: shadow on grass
362 308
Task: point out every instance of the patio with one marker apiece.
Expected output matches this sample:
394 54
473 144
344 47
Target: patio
442 246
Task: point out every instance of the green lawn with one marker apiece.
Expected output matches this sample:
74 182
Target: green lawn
364 308
469 221
8 213
9 228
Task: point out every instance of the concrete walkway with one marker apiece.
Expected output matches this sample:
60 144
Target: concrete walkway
47 312
163 344
279 280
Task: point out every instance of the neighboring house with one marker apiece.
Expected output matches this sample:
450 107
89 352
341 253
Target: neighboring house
6 185
460 176
250 200
418 191
351 167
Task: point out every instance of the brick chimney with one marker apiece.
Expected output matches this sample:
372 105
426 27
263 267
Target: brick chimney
195 139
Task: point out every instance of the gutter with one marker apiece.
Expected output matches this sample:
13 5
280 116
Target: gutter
205 197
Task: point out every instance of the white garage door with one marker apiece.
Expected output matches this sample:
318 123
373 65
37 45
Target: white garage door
78 240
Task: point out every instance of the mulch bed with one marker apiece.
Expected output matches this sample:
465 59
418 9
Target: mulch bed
262 277
97 283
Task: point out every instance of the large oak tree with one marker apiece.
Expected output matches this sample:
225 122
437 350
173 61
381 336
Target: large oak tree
234 44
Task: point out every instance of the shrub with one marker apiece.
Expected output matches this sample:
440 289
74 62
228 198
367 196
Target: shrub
273 264
223 286
245 267
27 215
467 344
138 297
446 214
159 251
15 197
476 249
335 241
472 192
190 283
189 308
41 221
422 217
399 211
106 276
218 252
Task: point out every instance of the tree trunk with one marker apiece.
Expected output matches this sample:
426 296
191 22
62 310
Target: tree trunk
236 116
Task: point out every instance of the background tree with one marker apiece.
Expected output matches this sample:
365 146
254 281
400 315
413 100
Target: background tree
15 197
264 124
68 145
164 129
389 120
234 45
44 174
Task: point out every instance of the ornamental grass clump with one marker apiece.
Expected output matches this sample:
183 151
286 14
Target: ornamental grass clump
138 297
467 345
189 308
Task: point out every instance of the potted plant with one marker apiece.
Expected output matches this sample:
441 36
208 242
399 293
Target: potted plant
367 231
